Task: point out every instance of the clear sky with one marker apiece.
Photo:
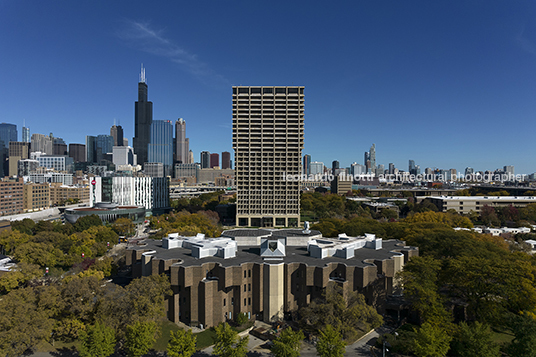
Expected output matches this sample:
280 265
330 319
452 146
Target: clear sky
448 84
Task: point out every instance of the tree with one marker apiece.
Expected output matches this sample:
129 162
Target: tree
241 318
123 226
431 341
330 343
97 340
524 343
140 337
85 222
474 340
181 344
228 343
347 313
288 343
19 275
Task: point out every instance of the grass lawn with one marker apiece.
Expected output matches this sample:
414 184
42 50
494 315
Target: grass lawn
166 328
205 338
502 336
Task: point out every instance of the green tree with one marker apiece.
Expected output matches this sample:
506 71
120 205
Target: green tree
181 344
140 337
85 222
241 318
228 343
123 226
524 343
474 340
288 343
330 343
25 320
347 313
431 341
19 275
97 340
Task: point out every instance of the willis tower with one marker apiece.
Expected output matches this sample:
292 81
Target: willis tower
143 117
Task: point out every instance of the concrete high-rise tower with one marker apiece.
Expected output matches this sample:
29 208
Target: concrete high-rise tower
268 142
143 118
182 143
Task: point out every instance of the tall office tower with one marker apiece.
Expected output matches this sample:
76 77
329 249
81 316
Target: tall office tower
268 142
469 171
334 166
77 152
116 131
366 162
214 160
411 167
191 157
41 143
161 145
205 159
225 160
372 157
391 168
25 134
104 148
306 164
59 149
182 142
143 117
91 148
509 169
8 132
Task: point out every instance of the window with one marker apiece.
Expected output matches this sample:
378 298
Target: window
249 287
249 273
245 301
232 301
244 287
249 301
244 273
224 301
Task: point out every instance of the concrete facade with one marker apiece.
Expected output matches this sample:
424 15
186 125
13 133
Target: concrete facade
213 289
467 204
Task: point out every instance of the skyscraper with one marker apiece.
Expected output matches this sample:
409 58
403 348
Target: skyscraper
372 157
268 141
214 160
161 145
182 148
116 131
225 160
25 134
143 117
8 132
205 159
307 164
77 152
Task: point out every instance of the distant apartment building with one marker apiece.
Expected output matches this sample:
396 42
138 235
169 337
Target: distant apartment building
36 197
341 184
77 152
210 175
25 167
268 143
50 177
154 169
41 143
317 168
11 196
186 170
467 204
124 155
57 163
17 151
60 193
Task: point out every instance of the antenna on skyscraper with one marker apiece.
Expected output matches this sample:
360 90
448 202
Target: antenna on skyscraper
142 74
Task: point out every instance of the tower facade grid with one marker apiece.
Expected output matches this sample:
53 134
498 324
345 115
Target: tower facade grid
268 126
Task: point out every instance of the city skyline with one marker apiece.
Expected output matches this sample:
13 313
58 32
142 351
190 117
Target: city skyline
433 82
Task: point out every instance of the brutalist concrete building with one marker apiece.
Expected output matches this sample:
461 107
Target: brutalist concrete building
266 273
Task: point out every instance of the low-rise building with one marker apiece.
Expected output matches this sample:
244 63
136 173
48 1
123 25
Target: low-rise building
36 197
468 204
11 196
266 273
60 193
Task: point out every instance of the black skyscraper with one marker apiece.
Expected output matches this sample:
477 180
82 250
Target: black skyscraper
143 117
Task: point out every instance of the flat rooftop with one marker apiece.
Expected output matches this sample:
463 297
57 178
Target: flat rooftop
251 254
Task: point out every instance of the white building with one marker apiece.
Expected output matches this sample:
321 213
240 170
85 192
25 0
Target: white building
317 168
149 192
57 163
124 155
50 177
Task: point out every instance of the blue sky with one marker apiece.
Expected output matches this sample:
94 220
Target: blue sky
448 84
